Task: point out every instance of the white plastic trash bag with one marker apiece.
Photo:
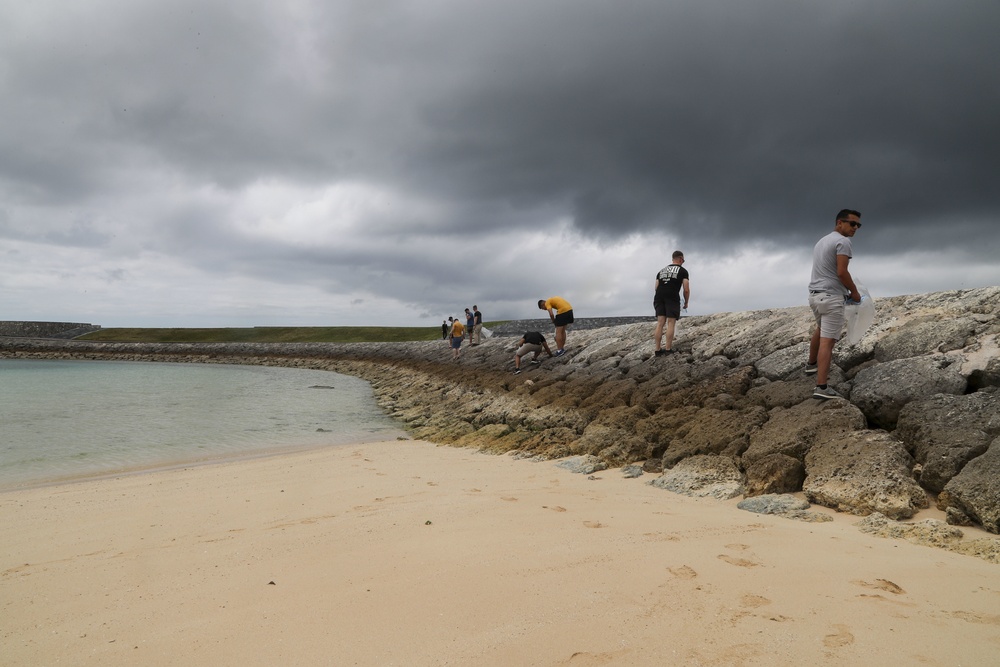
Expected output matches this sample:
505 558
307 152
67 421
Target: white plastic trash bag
859 315
486 332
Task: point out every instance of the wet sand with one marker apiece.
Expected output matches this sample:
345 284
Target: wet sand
404 553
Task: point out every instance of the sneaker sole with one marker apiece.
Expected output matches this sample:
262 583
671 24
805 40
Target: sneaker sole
824 397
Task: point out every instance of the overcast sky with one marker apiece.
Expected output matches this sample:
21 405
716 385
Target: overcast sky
383 162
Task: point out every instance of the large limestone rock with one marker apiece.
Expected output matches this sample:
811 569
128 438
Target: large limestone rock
792 432
882 390
700 476
713 431
774 474
863 472
945 432
974 494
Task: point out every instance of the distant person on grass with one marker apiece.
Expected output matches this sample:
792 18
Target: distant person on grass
829 285
561 313
457 334
444 329
531 341
667 300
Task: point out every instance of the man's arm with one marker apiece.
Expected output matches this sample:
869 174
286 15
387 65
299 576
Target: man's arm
845 276
687 292
546 346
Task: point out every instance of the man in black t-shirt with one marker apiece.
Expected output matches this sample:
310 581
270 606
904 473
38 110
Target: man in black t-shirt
667 301
477 325
531 341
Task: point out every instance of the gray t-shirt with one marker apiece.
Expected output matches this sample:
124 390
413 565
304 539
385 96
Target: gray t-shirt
824 271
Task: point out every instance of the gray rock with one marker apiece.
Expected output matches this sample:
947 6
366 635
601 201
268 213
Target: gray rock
585 465
929 532
773 504
945 432
881 391
863 472
784 362
632 471
780 394
921 337
774 473
701 476
975 492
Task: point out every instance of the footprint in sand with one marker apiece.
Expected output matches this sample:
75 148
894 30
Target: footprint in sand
662 537
881 585
754 601
509 499
975 617
682 572
554 508
740 562
843 637
593 524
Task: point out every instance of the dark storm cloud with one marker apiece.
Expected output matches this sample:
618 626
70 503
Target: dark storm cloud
706 118
716 119
147 127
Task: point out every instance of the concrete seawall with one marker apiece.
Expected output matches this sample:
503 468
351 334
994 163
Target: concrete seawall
61 330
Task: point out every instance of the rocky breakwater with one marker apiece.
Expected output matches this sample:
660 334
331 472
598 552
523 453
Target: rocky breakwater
730 413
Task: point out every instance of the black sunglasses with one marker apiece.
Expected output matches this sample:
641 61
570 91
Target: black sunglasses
853 223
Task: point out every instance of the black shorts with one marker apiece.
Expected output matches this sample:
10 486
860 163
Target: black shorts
562 319
670 309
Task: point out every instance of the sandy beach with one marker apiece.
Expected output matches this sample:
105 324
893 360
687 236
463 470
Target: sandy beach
406 553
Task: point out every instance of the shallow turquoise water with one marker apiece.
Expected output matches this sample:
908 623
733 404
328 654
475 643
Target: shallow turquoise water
68 419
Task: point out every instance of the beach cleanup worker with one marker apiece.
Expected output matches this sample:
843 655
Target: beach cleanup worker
477 326
561 313
457 333
531 341
829 285
667 300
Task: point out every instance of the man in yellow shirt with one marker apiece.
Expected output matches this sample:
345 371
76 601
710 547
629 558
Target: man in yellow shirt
457 334
561 313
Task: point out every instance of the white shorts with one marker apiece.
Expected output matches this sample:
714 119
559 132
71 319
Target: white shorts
829 312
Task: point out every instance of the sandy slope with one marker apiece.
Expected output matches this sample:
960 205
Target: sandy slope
404 553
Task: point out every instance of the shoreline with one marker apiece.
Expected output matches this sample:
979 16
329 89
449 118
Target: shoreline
404 552
220 458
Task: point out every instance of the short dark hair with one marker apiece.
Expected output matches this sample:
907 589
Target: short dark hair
846 212
677 253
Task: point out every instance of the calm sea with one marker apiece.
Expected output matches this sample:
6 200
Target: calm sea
75 419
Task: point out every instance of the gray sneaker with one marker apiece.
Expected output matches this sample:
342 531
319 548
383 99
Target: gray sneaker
811 369
825 393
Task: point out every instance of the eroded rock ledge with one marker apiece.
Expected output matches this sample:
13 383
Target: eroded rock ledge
922 423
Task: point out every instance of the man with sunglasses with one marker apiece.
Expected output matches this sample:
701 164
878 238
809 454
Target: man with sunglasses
830 283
